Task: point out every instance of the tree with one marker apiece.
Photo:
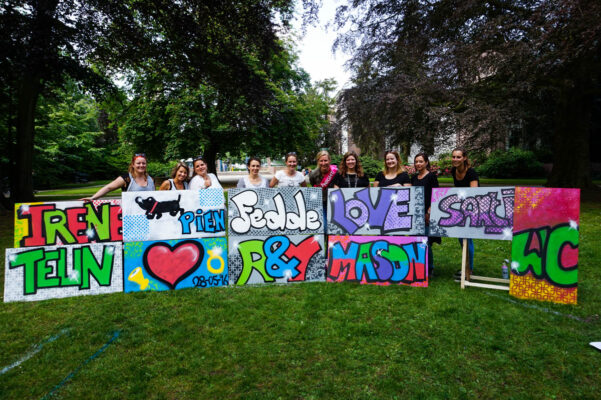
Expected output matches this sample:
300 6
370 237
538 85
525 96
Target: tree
171 118
494 71
69 140
224 44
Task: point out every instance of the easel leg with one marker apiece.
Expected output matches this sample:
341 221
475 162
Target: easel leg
463 263
468 262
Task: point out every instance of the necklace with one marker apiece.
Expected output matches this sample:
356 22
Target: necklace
348 180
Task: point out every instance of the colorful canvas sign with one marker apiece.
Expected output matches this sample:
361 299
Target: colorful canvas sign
276 259
472 213
67 222
175 264
544 251
283 211
173 214
380 260
376 211
49 272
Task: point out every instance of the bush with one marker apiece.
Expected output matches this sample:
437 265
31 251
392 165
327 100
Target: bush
443 165
160 169
513 163
371 166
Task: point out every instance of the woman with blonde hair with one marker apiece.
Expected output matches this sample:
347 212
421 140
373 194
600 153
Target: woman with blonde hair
323 175
136 179
350 172
394 173
179 178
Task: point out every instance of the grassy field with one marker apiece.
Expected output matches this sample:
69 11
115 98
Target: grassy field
313 340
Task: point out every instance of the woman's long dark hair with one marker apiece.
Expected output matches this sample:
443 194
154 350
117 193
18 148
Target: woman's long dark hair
342 169
425 157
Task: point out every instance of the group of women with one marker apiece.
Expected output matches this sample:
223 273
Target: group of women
349 174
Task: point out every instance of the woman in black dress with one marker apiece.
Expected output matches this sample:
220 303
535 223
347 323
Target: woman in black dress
394 174
350 173
427 180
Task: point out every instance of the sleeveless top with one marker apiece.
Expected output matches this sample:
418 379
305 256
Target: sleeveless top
245 183
134 187
198 183
285 180
172 185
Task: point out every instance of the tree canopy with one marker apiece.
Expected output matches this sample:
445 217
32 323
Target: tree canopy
172 118
225 46
493 72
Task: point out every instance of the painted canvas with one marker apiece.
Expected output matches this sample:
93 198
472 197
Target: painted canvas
276 259
544 251
472 213
282 211
166 215
379 260
175 264
376 211
50 272
67 222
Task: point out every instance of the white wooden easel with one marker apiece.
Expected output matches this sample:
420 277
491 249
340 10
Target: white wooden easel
466 275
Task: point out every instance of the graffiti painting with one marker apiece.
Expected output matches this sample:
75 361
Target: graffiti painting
276 259
283 211
49 272
175 264
181 214
472 213
67 222
376 211
544 251
380 260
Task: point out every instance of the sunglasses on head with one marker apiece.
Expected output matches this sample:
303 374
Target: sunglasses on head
200 157
136 155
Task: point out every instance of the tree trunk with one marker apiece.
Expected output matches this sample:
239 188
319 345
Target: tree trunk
405 151
571 153
210 154
428 146
22 187
40 51
7 171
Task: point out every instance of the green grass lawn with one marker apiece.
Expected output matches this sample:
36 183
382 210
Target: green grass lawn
314 340
73 191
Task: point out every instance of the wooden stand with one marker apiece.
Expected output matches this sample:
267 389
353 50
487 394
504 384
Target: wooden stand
466 275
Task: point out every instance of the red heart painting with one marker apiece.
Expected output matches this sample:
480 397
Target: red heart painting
170 264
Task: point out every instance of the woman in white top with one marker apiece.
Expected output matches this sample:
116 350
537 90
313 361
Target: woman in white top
179 178
136 179
289 176
253 180
202 179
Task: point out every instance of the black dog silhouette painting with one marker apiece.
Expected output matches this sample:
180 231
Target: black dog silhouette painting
158 208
